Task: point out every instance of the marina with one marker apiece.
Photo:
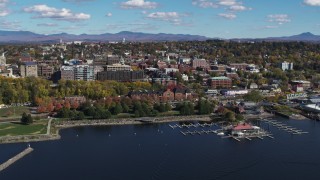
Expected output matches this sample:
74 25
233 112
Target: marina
191 125
284 127
237 132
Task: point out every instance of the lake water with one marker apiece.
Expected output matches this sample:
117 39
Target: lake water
160 152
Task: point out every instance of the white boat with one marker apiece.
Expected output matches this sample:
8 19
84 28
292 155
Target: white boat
220 134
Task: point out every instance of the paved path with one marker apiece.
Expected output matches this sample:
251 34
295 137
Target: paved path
49 126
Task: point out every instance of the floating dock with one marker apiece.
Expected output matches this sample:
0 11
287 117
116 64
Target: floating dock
284 127
8 163
192 125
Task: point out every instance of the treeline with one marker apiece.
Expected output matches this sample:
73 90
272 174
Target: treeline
35 90
100 110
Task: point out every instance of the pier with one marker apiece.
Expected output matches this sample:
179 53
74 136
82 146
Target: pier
284 127
12 160
192 125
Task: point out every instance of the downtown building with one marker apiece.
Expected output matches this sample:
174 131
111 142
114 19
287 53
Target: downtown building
77 72
121 73
220 82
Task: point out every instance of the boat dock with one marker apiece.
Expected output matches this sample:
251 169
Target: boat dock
12 160
202 132
284 127
192 125
207 128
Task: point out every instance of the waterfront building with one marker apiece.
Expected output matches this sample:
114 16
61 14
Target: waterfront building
244 129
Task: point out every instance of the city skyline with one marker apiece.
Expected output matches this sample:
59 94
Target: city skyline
211 18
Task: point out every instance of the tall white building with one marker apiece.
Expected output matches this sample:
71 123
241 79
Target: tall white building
286 66
3 59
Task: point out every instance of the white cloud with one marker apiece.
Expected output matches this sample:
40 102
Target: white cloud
174 18
227 15
109 14
78 1
139 4
47 24
239 8
312 2
231 6
44 11
10 25
279 18
227 2
3 8
271 27
205 4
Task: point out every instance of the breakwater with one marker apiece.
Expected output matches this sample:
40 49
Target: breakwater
15 158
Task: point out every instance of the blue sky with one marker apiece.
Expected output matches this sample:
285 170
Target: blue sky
212 18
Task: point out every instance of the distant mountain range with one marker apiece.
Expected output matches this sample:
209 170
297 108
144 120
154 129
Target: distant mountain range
30 37
305 37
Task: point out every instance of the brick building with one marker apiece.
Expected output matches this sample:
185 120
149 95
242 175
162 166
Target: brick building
200 63
123 76
45 71
220 82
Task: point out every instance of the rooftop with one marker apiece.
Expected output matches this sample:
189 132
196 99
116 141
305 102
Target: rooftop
220 78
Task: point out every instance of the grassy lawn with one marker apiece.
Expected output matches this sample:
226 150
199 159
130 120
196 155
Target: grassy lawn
13 112
14 129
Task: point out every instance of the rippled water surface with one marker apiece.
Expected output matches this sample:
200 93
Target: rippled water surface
160 152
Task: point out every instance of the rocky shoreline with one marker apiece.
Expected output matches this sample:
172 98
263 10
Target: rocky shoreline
58 125
103 122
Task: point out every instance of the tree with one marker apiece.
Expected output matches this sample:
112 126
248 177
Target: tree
26 119
74 105
117 109
167 107
125 107
230 116
186 108
79 116
254 96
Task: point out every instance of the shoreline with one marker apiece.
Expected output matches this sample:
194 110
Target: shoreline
102 122
64 124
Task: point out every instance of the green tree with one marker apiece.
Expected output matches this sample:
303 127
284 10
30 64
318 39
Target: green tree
230 116
167 107
117 109
254 96
26 119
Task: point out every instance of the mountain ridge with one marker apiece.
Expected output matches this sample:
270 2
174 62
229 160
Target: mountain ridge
31 37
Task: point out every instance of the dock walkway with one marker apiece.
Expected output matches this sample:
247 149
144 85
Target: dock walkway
15 158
